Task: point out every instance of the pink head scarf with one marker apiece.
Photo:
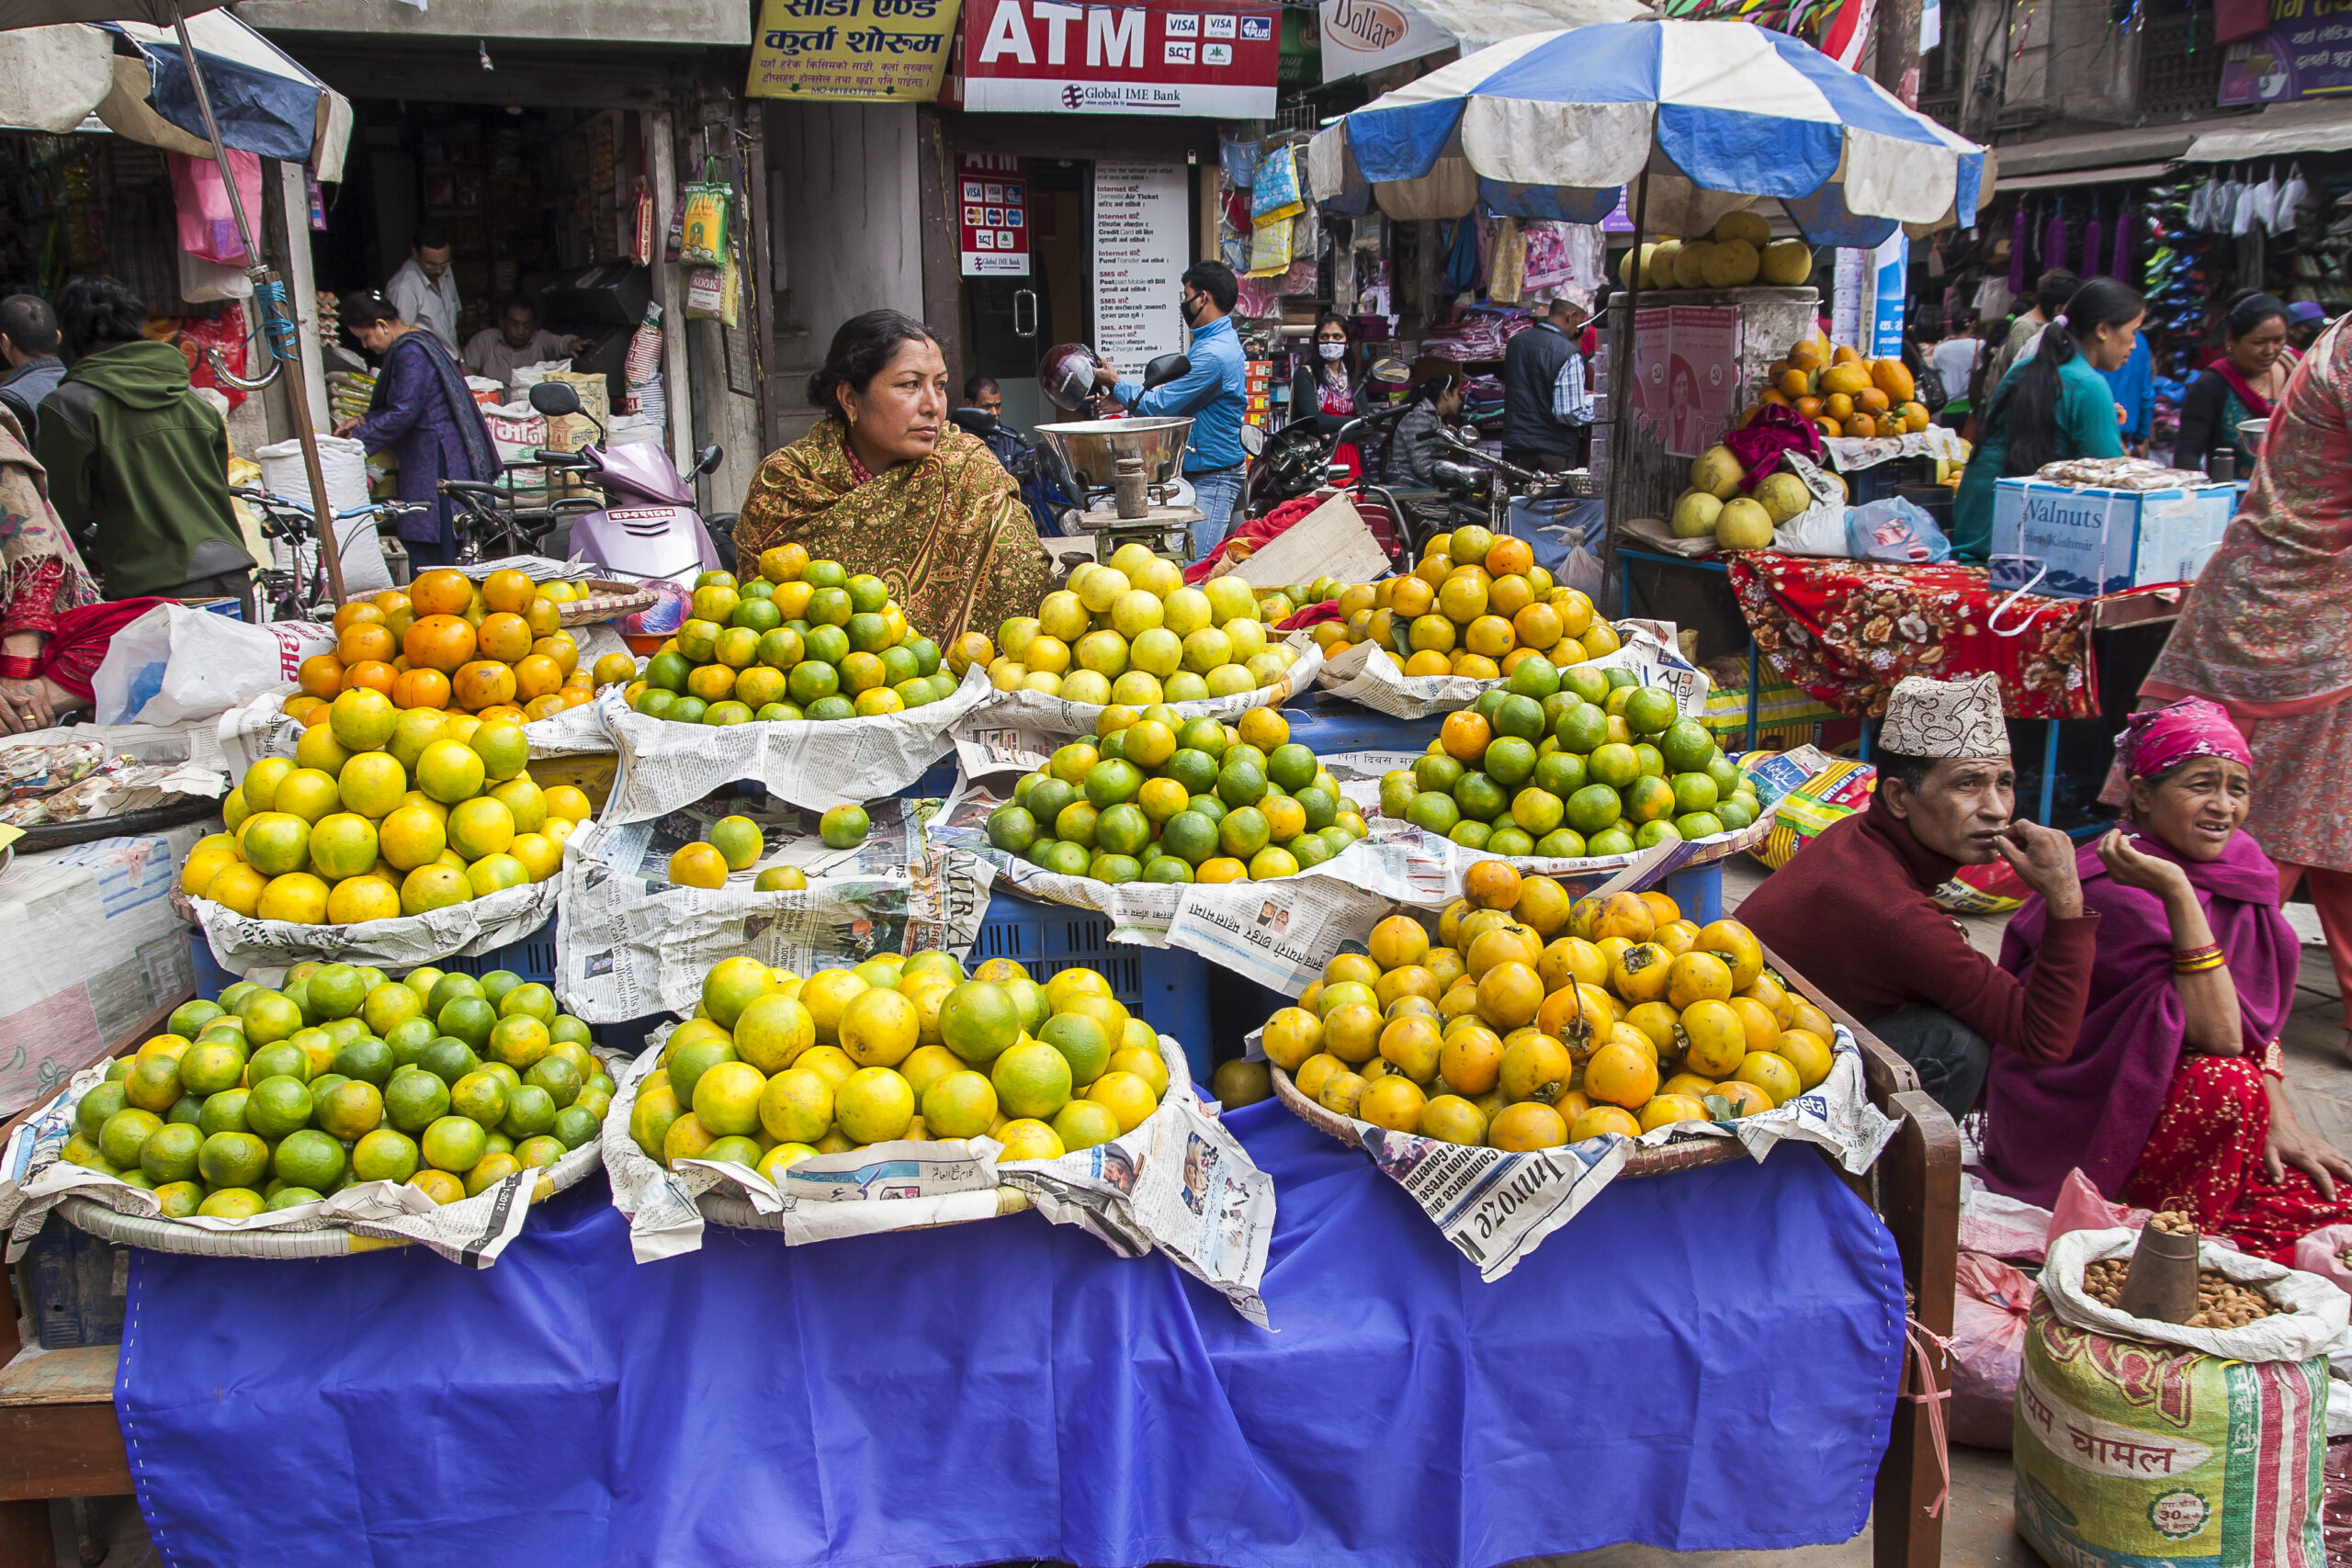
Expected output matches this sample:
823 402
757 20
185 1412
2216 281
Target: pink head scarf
2155 742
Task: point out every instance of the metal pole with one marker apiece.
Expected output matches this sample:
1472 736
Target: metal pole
268 292
1621 374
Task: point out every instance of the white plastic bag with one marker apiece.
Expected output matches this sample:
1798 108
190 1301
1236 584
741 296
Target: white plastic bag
175 663
1895 530
1990 1303
342 463
2313 1323
1819 529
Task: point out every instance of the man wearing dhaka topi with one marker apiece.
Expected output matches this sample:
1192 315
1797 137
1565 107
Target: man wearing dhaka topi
1854 911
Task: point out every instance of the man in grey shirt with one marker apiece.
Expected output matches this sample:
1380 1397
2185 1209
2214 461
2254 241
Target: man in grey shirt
422 290
518 340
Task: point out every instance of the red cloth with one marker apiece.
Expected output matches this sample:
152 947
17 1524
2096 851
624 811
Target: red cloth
1847 630
1760 443
1256 532
2207 1149
1313 615
77 645
1852 914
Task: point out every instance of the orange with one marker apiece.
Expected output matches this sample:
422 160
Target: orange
420 689
1464 735
508 591
440 592
358 609
363 640
559 648
1528 1126
698 865
1508 555
536 675
321 675
1471 1062
372 673
503 635
483 684
1621 1076
438 642
1491 885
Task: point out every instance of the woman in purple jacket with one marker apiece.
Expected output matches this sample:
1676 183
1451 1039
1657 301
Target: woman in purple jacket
423 412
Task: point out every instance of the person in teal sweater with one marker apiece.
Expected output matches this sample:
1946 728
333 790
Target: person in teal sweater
2052 405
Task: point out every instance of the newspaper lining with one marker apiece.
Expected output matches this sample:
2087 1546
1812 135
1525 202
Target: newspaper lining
242 942
1178 1184
1648 650
472 1231
1495 1207
630 944
819 763
1041 714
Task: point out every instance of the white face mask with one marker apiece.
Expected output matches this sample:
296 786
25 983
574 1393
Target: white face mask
1331 350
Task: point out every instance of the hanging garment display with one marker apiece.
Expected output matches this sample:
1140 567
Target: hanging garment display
1508 272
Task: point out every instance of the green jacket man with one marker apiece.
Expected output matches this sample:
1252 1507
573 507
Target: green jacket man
138 464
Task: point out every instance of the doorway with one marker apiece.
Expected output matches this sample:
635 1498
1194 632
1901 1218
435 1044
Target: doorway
1010 321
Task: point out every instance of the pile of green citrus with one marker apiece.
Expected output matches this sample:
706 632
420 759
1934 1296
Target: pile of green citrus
269 1098
1161 798
1570 764
803 639
774 1069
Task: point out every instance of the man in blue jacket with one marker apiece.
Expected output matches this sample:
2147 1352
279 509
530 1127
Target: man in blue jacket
1213 392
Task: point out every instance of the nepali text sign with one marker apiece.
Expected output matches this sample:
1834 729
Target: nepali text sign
1032 56
1140 230
876 51
994 227
2306 53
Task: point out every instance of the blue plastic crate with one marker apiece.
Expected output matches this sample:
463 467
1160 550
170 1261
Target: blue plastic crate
1167 988
533 958
1329 726
72 1286
210 979
937 782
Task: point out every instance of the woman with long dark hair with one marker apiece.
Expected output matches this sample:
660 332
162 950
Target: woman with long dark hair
885 484
2054 405
2246 382
1325 390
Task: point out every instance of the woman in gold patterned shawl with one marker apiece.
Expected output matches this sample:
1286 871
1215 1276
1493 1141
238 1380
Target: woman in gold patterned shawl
885 485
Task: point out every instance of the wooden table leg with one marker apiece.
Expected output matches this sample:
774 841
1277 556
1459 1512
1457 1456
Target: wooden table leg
1919 1197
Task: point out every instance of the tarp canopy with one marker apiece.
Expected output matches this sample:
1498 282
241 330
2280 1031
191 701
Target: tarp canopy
2278 132
131 74
1718 113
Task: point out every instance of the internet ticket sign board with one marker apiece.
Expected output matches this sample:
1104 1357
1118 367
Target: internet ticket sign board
1044 56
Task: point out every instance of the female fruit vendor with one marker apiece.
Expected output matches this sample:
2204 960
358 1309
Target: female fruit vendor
421 410
1887 954
53 630
2052 405
884 484
2244 383
2175 1086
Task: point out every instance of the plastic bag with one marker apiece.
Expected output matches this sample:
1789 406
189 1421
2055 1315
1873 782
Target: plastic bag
1988 1313
208 224
702 241
1275 194
2318 1254
175 663
1893 529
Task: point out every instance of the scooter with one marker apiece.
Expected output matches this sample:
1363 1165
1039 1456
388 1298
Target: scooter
649 528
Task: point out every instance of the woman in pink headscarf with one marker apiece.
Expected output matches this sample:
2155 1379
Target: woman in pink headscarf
2174 1091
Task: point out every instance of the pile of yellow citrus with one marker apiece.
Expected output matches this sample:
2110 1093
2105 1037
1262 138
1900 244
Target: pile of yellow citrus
381 812
497 649
1532 1022
773 1068
1128 631
1476 605
269 1098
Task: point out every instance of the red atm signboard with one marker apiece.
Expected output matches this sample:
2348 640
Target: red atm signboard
1036 56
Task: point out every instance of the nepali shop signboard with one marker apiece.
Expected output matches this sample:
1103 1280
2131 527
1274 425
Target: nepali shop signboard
1032 56
2305 54
852 51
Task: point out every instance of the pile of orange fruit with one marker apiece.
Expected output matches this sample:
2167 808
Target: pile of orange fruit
1532 1021
497 649
1843 394
1476 605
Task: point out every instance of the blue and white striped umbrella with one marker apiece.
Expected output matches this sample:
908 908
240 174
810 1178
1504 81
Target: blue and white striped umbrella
1719 113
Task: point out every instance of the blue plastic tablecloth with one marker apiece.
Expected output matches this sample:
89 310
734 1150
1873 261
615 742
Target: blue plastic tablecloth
1707 1360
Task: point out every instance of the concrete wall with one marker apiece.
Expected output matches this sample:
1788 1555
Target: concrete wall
717 23
847 223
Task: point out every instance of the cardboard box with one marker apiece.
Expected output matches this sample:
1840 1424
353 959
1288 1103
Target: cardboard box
2078 544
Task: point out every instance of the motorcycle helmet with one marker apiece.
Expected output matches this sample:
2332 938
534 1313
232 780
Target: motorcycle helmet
1067 376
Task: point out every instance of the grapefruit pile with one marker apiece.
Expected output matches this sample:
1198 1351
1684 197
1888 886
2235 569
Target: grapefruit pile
803 639
496 649
1159 799
1570 764
1128 631
773 1068
1843 394
268 1098
1476 604
1531 1022
382 812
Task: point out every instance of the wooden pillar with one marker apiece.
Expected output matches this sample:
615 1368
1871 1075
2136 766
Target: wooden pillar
942 281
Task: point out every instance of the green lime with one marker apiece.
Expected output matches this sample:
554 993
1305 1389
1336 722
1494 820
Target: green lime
1490 702
1106 867
1686 746
188 1019
1111 781
96 1106
1650 710
233 1160
1698 825
1534 678
1518 716
1308 849
1509 839
1652 834
1583 729
557 1075
1562 772
1168 868
1471 833
1187 835
1734 816
1322 807
337 991
1561 844
454 1143
1240 783
448 1058
1076 823
278 1106
278 1061
531 1111
308 1158
843 826
1192 768
223 1112
1292 766
1510 761
414 1101
1207 806
1433 812
1481 797
1243 832
1202 735
1066 859
1693 792
1612 841
470 1018
1123 830
480 1097
367 1058
384 1155
1652 760
574 1125
1011 829
169 1154
1593 809
1537 811
688 1062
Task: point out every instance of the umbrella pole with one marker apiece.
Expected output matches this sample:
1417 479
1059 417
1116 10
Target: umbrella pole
1621 379
270 300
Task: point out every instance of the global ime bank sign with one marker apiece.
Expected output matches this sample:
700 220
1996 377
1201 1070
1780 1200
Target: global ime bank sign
1042 56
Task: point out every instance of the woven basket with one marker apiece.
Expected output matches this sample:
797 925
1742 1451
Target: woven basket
1690 1156
606 601
316 1239
724 1208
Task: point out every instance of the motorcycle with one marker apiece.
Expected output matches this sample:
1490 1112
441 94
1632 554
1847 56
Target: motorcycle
650 527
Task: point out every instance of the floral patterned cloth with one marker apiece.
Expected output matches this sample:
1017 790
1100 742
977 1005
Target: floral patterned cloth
1846 631
947 532
2207 1148
42 575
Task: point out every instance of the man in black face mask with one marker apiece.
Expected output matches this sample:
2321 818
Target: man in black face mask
1213 392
